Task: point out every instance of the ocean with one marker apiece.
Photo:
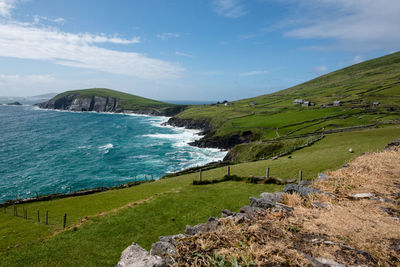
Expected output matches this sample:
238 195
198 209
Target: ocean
49 151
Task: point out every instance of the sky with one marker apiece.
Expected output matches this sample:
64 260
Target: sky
187 49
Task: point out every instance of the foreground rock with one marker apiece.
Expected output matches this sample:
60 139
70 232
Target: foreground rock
136 256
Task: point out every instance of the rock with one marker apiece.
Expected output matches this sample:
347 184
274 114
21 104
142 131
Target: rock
171 238
345 165
226 213
351 150
261 203
329 263
304 182
165 248
273 197
136 256
16 103
300 189
319 205
362 196
250 211
322 176
393 144
211 225
275 158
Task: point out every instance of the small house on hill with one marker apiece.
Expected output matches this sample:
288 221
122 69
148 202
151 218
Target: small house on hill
298 101
253 103
337 103
308 104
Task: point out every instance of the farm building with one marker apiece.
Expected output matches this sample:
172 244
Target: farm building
253 103
375 104
298 101
308 104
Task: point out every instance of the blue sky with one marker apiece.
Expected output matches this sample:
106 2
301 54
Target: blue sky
188 49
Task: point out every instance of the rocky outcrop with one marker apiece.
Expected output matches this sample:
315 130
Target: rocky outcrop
203 125
209 140
14 104
222 142
75 102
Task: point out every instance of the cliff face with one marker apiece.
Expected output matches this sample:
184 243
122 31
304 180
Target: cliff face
74 102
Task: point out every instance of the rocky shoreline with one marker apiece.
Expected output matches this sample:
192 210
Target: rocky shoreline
209 140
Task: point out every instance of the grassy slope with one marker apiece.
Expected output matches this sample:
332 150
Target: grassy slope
101 240
274 116
127 101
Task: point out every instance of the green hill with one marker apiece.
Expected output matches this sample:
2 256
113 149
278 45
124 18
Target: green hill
127 100
102 99
274 116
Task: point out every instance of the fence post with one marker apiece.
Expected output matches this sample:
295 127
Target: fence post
47 217
301 175
200 175
38 216
267 174
64 220
228 171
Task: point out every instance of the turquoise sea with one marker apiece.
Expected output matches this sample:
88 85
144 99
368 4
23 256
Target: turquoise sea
49 151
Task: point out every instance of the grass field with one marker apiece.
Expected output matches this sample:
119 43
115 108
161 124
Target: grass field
114 219
274 115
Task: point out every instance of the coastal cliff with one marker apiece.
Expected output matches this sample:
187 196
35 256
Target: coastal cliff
74 102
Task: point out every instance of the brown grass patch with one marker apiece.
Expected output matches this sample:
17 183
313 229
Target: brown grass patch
351 232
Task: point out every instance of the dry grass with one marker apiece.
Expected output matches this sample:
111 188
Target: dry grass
348 231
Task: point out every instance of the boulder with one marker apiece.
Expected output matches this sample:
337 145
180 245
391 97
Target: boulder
273 197
165 248
250 211
136 256
304 182
362 195
261 203
322 177
300 189
227 213
211 225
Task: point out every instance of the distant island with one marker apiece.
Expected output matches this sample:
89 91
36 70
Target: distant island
107 100
16 103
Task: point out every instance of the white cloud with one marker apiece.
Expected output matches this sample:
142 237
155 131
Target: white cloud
354 24
37 18
6 6
80 50
183 54
229 8
166 35
320 69
13 85
254 72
